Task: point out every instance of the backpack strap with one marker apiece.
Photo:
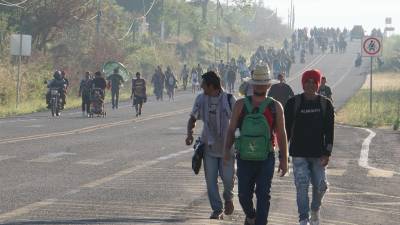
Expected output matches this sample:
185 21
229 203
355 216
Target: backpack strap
247 105
297 103
264 105
229 100
261 108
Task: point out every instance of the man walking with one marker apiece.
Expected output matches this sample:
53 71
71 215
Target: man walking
324 89
310 128
84 92
213 107
281 91
138 93
184 76
255 122
116 81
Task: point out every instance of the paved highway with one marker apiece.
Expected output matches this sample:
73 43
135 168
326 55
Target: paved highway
127 170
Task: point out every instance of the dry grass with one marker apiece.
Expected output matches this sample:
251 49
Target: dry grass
385 104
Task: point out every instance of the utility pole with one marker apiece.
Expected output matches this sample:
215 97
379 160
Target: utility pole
228 40
291 15
98 19
370 89
19 59
98 31
162 20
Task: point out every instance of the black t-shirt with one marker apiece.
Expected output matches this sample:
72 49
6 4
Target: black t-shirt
312 131
99 82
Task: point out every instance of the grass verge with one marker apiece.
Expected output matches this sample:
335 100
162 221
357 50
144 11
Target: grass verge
385 103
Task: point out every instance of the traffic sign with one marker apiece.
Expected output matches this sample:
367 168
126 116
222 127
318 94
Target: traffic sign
371 46
389 28
21 44
388 20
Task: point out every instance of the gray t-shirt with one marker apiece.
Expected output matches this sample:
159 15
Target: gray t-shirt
216 148
213 147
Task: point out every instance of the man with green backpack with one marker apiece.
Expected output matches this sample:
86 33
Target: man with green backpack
256 121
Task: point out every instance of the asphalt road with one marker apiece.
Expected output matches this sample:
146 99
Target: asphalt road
127 170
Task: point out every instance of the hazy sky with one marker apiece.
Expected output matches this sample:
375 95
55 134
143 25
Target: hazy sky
340 13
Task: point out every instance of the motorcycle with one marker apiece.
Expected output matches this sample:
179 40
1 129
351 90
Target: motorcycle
55 102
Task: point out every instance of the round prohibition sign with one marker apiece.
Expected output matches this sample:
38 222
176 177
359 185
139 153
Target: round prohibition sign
369 41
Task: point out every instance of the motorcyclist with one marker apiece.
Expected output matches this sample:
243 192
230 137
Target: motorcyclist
57 83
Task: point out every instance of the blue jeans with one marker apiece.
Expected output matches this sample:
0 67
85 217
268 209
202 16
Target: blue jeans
258 175
213 166
308 170
114 97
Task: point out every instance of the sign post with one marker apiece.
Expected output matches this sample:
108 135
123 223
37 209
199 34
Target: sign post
20 46
371 47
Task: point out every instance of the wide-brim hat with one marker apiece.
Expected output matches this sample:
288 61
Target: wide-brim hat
261 76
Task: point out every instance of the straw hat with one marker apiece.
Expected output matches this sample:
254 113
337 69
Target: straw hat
261 76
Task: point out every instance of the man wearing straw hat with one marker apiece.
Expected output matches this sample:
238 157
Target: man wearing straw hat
255 172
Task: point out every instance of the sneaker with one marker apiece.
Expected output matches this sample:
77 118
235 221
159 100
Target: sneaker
314 218
229 208
216 215
304 222
249 221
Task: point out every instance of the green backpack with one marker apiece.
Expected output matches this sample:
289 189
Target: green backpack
254 142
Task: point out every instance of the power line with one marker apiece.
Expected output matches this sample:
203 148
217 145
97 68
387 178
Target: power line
140 17
9 4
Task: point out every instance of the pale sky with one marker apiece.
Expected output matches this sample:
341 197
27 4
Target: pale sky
340 13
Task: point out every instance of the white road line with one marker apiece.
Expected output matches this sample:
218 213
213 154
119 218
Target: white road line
36 205
299 73
52 157
335 172
34 126
26 209
363 160
5 157
93 162
341 78
15 121
127 171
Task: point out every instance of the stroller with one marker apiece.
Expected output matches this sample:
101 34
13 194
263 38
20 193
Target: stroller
97 103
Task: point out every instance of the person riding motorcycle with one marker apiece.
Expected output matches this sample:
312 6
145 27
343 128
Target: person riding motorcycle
57 83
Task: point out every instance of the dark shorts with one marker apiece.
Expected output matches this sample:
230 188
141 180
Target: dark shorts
139 100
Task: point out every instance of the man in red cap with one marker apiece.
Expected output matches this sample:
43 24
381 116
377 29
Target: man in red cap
309 121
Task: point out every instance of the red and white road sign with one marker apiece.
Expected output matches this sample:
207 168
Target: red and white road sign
371 46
